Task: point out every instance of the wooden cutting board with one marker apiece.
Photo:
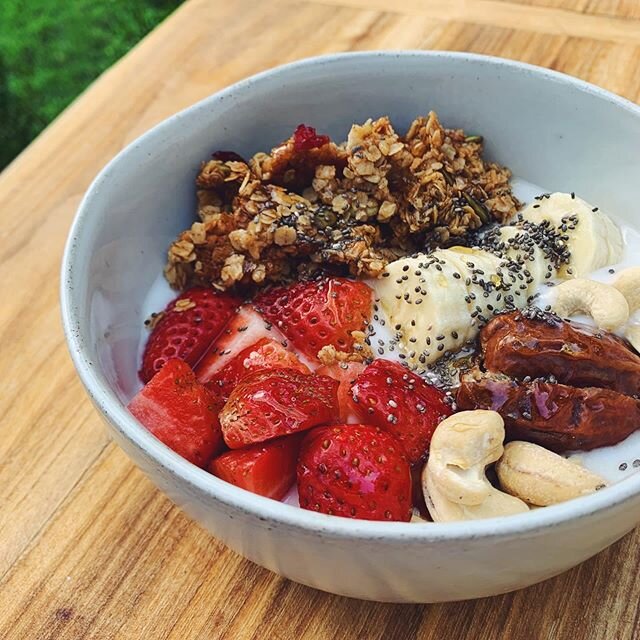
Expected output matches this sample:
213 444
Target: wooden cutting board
88 547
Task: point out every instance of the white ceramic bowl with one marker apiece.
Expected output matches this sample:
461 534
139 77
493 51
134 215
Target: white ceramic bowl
549 128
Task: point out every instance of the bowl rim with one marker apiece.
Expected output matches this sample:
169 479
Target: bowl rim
265 509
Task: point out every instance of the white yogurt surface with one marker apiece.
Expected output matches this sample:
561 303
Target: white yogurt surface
613 463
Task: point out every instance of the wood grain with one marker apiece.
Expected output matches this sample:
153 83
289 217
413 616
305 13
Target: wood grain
88 547
511 15
619 8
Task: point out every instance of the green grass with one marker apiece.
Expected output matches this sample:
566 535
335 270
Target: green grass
50 50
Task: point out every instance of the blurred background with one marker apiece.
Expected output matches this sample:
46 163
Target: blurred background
51 50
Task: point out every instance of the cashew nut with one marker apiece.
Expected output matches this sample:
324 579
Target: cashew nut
540 477
604 303
628 284
453 481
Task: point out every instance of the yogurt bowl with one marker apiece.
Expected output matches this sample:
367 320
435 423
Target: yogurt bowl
550 129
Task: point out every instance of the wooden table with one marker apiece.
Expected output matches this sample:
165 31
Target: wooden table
88 547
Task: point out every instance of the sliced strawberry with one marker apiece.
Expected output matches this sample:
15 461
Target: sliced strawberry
180 412
186 328
270 404
268 469
264 354
345 373
318 313
243 330
354 471
401 403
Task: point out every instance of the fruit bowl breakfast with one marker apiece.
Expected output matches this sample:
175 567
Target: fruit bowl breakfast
328 285
414 335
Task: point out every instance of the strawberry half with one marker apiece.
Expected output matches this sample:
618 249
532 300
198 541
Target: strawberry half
268 469
318 313
270 404
180 412
354 471
264 354
243 331
402 403
186 329
345 373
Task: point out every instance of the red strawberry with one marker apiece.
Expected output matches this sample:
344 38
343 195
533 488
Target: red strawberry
318 313
355 471
345 373
401 403
268 469
180 412
187 327
264 354
274 403
305 137
243 330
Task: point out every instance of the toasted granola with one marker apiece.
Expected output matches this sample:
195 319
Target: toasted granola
312 206
361 351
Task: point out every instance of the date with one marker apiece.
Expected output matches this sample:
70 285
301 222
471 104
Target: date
556 416
543 345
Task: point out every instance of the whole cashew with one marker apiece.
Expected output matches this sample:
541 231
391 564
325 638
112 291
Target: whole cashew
453 481
540 477
628 284
604 303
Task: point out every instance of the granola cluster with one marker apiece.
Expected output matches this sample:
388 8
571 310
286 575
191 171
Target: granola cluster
312 205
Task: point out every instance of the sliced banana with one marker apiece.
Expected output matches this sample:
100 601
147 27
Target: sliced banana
487 279
424 298
436 303
536 268
593 239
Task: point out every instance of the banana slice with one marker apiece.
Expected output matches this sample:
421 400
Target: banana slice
521 249
593 239
487 279
436 303
424 299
